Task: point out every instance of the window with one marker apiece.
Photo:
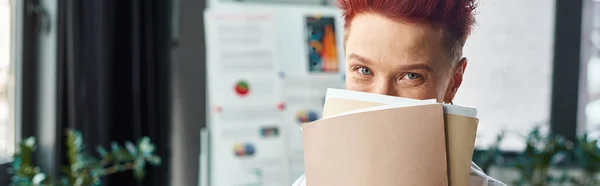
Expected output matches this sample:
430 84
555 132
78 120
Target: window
592 68
7 124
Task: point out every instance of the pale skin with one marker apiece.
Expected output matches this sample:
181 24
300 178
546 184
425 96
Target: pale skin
399 58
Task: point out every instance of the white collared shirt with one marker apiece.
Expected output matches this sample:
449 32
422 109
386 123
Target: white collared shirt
477 178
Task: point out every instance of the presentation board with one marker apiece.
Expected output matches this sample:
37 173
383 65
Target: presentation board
268 71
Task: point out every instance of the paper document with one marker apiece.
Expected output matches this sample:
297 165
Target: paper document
371 139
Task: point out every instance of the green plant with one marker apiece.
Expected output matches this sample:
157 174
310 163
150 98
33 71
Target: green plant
542 151
82 169
488 157
587 156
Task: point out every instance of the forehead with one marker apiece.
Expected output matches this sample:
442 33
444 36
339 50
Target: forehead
382 39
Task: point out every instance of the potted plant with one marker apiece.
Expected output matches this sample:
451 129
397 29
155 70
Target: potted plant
542 151
587 156
82 169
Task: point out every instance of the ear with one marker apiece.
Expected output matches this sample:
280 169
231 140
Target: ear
456 79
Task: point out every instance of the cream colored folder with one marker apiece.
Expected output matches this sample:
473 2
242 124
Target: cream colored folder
364 114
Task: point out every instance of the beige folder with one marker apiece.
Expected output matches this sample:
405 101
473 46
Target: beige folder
458 132
353 150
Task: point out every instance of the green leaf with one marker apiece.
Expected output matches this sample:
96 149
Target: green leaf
29 142
154 160
101 151
117 152
140 164
139 174
38 178
131 148
146 147
27 148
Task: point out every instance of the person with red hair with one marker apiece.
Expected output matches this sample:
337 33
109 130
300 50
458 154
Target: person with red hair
408 48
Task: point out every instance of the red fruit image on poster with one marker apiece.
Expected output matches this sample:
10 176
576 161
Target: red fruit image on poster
242 88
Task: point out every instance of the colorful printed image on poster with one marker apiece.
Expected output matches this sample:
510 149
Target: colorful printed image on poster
244 149
269 132
306 116
241 88
322 45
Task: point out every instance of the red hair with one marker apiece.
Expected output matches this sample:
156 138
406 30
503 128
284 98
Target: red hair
455 16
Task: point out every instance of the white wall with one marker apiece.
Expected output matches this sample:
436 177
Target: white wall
508 77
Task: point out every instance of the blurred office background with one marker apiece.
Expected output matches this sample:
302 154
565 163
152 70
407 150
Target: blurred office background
120 70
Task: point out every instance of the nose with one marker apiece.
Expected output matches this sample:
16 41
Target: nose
385 87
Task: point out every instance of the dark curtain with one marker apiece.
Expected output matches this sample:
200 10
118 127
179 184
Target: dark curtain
566 64
114 83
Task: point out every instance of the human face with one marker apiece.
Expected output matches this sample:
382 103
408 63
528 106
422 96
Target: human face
402 59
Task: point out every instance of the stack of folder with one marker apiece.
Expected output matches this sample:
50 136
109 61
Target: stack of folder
369 139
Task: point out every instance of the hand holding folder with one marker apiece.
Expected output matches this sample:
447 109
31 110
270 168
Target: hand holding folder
370 139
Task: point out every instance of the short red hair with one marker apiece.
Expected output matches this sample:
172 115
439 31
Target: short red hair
455 16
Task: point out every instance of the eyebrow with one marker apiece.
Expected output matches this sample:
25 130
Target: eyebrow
360 59
417 66
367 62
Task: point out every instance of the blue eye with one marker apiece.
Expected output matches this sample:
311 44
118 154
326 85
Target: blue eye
412 76
364 71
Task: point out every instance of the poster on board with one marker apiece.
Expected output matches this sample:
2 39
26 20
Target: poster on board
321 45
